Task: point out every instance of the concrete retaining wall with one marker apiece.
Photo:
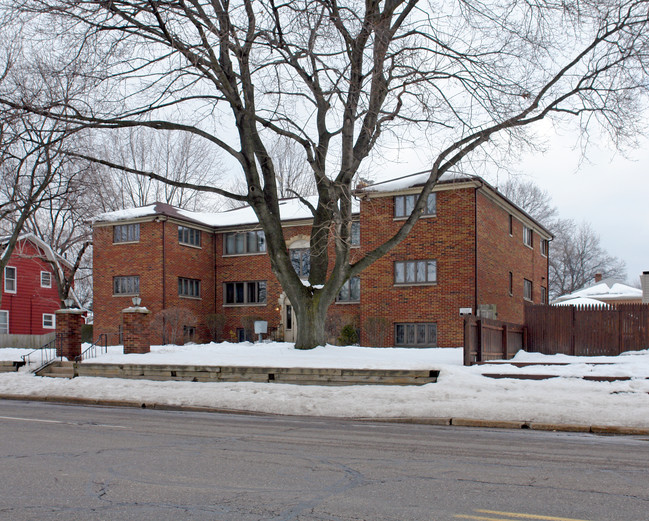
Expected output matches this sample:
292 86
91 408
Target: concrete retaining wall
294 375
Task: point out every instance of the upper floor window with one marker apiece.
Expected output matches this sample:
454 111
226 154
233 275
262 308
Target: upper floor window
126 285
405 204
355 234
511 283
415 272
10 279
189 236
528 236
245 292
545 246
49 321
46 279
301 260
511 224
189 287
126 232
544 295
527 289
350 291
239 243
4 322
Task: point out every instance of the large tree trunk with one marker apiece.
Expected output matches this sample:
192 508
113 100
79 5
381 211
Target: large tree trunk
311 316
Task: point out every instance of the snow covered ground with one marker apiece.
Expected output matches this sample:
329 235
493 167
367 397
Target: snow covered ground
460 392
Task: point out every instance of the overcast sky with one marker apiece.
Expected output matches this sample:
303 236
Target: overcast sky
608 190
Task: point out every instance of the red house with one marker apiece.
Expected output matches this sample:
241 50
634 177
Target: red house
472 252
30 296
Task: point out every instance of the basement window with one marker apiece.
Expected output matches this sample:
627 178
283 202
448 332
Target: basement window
416 335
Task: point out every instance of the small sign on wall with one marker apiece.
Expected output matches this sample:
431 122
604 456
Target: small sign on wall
466 311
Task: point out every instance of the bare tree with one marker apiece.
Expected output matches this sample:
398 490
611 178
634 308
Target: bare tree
335 77
577 256
182 157
532 198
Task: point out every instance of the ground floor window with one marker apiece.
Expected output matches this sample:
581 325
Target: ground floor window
416 335
244 292
4 322
49 321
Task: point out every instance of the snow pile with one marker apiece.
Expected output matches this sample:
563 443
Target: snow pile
460 392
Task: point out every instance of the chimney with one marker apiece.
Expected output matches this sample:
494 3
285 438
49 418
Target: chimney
644 281
598 277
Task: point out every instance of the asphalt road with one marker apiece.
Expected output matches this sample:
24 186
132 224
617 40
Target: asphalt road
92 463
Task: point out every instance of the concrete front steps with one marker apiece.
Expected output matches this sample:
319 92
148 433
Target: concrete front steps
58 369
287 375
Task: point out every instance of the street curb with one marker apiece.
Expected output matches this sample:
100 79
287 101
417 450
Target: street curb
455 422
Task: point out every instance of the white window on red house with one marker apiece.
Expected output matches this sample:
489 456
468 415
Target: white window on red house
46 279
528 236
4 322
126 285
416 335
527 289
49 321
10 279
545 246
126 232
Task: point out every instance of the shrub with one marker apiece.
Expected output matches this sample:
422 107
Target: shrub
172 322
215 323
348 335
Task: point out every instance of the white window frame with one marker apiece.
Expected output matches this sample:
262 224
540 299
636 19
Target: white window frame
528 236
545 247
4 330
49 279
13 279
52 321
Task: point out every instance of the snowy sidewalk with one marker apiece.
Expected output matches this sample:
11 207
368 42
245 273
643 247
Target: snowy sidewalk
461 394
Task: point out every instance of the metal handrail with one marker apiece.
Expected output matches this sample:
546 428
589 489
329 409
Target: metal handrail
100 344
47 354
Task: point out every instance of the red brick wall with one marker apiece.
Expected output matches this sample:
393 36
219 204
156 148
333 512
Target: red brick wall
498 254
448 238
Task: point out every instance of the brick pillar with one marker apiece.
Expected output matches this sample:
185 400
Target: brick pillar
68 332
135 330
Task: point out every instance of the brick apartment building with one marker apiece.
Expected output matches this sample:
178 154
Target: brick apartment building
473 251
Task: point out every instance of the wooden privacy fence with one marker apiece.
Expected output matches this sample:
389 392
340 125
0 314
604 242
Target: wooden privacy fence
486 339
587 330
